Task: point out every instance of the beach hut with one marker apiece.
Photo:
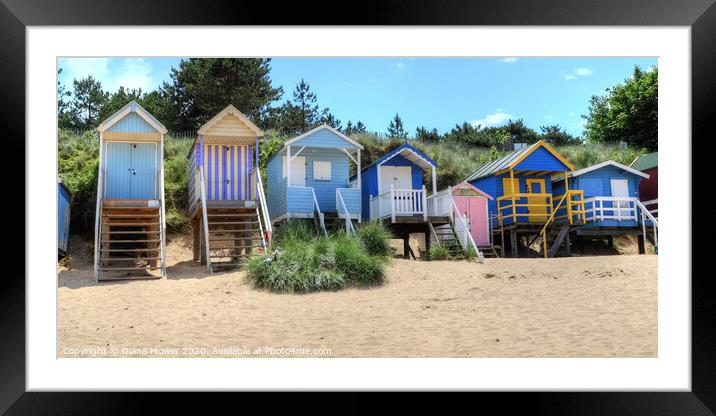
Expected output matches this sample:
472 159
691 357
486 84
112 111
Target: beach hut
520 184
649 188
473 205
129 222
308 178
64 200
227 206
611 201
393 192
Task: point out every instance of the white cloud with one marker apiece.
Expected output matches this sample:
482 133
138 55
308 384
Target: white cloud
549 117
127 72
399 66
133 73
495 119
571 114
581 72
508 60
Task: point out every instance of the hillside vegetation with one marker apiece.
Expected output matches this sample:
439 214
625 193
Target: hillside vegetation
78 155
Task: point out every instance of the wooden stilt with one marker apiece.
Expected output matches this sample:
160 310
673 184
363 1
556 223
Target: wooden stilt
427 242
513 243
640 243
567 245
202 244
196 235
406 246
610 241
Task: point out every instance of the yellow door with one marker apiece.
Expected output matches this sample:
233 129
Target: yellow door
538 204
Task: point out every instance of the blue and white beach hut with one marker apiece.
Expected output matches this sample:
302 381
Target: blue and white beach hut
316 183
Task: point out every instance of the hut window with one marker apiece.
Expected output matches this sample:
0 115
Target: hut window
321 170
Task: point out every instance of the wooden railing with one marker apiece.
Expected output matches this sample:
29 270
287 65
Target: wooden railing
611 208
261 199
98 220
646 214
574 207
204 216
341 205
654 211
549 220
512 207
440 204
399 202
317 210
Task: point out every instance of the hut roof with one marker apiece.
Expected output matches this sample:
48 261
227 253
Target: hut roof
646 162
512 159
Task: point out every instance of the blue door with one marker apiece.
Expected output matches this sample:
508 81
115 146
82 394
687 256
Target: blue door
142 183
118 170
130 171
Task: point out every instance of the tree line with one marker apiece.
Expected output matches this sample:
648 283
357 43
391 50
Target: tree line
201 87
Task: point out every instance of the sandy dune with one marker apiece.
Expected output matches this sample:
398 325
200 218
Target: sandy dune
569 307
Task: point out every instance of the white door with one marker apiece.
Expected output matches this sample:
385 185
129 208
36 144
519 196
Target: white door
298 170
398 176
620 188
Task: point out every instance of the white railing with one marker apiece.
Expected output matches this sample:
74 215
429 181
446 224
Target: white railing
440 204
399 202
205 218
655 211
616 209
463 231
645 213
341 204
264 209
98 221
317 209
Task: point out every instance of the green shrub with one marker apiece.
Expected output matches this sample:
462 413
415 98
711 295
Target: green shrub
306 262
438 252
295 230
358 266
375 238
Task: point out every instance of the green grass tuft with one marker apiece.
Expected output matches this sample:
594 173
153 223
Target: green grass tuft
438 252
375 238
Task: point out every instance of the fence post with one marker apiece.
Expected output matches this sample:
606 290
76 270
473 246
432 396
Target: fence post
424 203
392 204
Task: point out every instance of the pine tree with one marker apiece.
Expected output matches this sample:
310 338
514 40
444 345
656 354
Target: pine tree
330 119
360 127
395 128
89 98
306 101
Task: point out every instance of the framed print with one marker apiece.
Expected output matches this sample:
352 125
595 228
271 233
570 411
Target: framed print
458 197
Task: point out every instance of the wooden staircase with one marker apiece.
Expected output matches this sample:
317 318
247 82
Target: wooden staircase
488 251
129 243
447 237
234 235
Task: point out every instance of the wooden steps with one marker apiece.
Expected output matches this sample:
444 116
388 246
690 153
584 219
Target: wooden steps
489 251
129 242
233 233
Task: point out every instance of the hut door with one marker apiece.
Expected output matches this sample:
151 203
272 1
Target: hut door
536 186
143 169
118 171
474 209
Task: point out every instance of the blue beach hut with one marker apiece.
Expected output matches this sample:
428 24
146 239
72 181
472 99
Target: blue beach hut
129 221
523 205
308 178
611 200
64 200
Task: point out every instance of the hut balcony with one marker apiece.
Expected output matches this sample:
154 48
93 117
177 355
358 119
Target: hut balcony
541 208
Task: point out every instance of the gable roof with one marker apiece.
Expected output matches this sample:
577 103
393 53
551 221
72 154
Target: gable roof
132 106
407 151
468 185
324 126
646 162
230 110
510 160
599 166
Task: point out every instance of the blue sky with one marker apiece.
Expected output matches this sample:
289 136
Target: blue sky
430 92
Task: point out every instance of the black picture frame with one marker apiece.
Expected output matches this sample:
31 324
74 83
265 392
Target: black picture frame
700 15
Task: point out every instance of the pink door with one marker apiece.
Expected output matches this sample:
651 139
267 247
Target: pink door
474 209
